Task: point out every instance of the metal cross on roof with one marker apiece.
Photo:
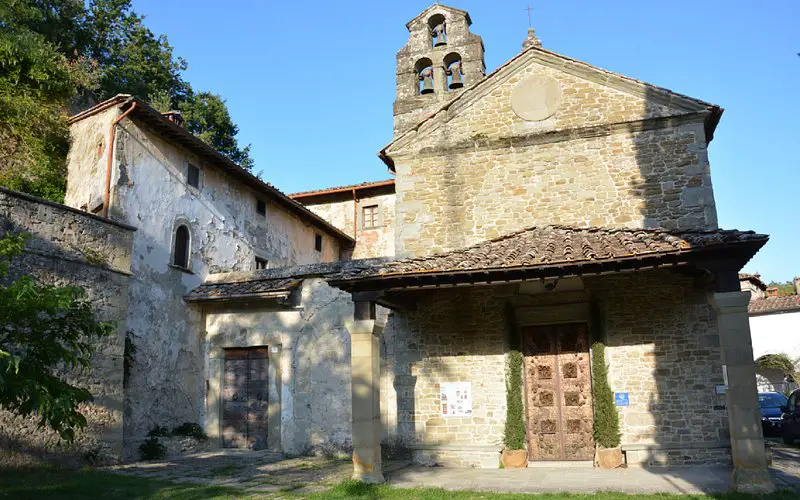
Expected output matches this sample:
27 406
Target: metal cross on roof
529 9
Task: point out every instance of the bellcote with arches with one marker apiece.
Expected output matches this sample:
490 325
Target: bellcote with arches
441 59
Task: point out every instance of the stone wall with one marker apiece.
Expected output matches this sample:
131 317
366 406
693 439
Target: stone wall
69 247
149 189
663 350
312 382
370 242
604 158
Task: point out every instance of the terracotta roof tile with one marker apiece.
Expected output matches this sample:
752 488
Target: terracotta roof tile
552 245
361 185
244 289
771 305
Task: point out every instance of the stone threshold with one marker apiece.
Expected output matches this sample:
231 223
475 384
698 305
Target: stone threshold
561 463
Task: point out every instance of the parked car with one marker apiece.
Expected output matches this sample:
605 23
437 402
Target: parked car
772 408
790 421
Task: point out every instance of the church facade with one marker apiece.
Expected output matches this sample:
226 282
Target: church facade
541 207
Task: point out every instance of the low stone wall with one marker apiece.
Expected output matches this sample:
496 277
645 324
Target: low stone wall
70 247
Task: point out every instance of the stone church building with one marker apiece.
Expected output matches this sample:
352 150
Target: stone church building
542 206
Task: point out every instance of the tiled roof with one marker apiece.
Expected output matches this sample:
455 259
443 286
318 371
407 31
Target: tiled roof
361 185
244 289
561 245
771 305
753 278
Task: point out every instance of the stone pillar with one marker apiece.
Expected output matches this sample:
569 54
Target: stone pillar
365 379
744 418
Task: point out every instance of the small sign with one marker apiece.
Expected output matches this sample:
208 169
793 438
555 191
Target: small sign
621 399
456 399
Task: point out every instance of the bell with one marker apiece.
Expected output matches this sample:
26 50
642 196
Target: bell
427 82
440 41
456 80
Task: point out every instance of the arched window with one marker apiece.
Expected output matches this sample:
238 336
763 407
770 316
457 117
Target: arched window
438 30
180 256
424 69
454 70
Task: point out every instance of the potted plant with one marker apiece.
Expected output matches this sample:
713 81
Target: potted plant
608 454
514 456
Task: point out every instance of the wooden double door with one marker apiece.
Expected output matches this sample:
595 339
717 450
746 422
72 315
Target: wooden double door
560 418
245 402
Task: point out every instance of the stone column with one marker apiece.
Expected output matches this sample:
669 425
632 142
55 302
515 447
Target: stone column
744 417
365 378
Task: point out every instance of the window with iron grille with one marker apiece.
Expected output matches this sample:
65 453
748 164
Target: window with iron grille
261 263
193 176
369 217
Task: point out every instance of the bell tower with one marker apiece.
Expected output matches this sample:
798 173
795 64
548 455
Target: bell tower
440 60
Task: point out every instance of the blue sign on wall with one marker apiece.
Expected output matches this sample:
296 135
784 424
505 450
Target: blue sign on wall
621 398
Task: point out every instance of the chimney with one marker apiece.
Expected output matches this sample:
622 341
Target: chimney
772 291
175 117
797 285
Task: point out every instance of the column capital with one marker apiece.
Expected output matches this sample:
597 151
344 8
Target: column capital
730 302
363 326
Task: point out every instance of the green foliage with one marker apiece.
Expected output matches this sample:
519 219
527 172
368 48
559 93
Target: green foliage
207 117
128 358
152 449
47 333
57 52
190 429
784 287
606 418
514 431
781 362
159 431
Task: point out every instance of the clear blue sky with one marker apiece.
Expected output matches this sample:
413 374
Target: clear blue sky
311 84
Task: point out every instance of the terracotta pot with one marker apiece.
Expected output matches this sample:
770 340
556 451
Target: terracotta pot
514 459
608 458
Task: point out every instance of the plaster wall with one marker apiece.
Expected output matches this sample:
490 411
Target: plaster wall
149 190
70 248
312 373
775 334
370 242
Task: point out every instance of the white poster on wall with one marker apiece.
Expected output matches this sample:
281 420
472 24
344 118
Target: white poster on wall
456 399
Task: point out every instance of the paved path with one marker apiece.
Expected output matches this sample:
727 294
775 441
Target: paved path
266 472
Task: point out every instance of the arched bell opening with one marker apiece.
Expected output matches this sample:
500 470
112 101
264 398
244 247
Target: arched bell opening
454 71
424 70
438 30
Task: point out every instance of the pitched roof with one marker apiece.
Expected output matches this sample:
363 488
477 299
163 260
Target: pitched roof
567 249
340 189
179 135
772 305
271 288
753 278
615 80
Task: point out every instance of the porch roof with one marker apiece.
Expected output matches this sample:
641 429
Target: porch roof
265 289
557 251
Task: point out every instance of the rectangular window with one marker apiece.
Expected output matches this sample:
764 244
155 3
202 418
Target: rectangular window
369 217
261 207
193 176
317 242
261 263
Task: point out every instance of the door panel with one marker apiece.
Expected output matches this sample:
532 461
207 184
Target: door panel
245 398
558 392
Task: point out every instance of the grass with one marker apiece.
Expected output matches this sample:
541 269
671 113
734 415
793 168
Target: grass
51 484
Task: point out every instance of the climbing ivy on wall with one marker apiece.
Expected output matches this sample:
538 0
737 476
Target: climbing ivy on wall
514 432
606 419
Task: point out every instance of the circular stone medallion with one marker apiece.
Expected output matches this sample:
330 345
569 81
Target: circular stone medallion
536 98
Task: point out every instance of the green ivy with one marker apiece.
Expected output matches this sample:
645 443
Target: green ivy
152 449
514 432
606 419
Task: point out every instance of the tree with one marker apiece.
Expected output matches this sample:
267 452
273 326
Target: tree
514 431
36 81
784 287
207 117
606 418
48 333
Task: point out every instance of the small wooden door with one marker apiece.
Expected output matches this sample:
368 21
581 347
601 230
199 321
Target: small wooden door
245 398
558 392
